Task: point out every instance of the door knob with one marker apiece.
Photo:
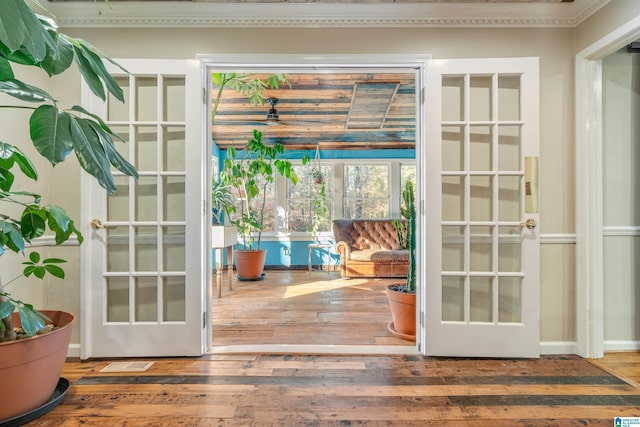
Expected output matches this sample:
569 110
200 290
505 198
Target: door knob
96 224
529 223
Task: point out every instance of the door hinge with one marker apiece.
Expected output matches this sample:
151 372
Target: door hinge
422 319
204 95
204 320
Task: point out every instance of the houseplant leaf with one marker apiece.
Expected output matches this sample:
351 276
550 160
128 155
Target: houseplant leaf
50 133
32 222
24 91
31 320
6 72
91 154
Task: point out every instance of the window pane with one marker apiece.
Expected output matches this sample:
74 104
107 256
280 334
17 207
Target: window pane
256 203
308 202
366 190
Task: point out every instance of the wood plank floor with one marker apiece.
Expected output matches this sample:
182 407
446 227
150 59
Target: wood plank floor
298 307
310 390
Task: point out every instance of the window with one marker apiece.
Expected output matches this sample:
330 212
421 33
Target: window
370 191
366 191
309 206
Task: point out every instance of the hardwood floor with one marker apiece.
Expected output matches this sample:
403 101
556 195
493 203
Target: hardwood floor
296 390
311 390
298 307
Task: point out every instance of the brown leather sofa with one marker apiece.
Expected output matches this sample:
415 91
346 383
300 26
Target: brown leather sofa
369 248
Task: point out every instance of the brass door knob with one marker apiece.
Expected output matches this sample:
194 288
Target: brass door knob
96 224
529 223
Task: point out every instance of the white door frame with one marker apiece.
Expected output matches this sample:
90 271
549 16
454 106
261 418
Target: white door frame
306 62
589 191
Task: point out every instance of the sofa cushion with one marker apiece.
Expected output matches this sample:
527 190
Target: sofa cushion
367 234
380 255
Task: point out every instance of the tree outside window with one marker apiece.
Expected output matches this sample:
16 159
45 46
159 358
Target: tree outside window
309 205
366 192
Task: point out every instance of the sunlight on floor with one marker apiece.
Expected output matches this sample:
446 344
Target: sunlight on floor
321 286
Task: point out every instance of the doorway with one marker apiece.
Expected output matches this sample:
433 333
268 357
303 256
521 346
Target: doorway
347 88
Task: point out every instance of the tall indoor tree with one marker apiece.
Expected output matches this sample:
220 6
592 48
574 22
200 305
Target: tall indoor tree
32 40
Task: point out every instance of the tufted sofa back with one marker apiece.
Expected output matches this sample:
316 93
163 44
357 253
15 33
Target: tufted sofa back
365 234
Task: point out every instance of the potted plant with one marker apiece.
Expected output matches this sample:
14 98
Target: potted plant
31 367
249 175
222 202
402 297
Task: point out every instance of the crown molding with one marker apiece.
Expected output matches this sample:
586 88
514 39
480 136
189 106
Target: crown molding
182 14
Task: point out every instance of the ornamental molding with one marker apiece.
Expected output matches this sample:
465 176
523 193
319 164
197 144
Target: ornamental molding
320 15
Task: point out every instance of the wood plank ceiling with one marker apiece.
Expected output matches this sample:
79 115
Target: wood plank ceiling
332 110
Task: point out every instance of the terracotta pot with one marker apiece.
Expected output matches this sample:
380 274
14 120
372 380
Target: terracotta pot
403 312
30 368
250 264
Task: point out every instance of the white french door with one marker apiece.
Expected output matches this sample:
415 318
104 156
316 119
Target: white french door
143 286
481 221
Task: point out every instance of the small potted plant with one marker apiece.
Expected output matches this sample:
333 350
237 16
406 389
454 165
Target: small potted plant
30 367
402 296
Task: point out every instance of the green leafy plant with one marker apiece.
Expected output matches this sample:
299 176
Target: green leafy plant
222 200
249 177
33 40
249 85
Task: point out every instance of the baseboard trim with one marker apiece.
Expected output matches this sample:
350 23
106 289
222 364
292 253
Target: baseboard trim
73 351
558 347
621 345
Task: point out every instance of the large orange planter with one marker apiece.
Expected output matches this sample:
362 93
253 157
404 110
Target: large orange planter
403 312
250 264
30 368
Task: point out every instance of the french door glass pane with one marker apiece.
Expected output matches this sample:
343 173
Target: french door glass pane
146 197
117 299
509 198
146 249
481 248
453 95
146 148
510 299
173 94
509 148
509 249
118 249
452 148
481 198
118 202
453 248
173 297
123 143
481 299
480 141
173 198
453 198
146 98
146 298
173 248
480 99
453 292
116 110
173 148
508 98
